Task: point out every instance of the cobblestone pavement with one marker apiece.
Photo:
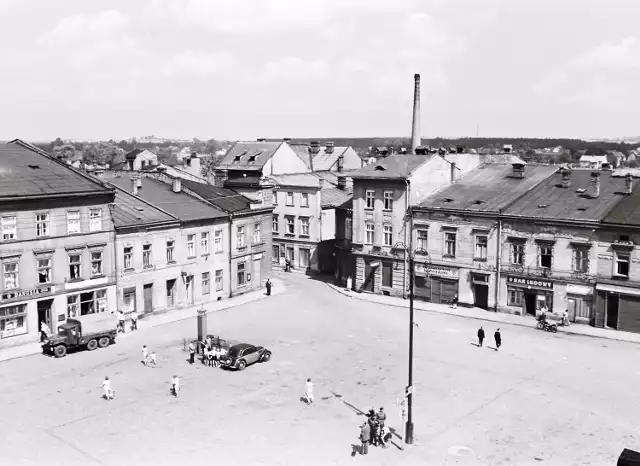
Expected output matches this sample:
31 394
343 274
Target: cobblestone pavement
541 399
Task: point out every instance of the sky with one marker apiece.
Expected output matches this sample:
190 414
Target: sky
243 69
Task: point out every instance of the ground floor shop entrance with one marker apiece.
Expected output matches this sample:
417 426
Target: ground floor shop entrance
532 295
369 276
437 290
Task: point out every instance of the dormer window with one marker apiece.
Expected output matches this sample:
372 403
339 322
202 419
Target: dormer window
253 158
237 158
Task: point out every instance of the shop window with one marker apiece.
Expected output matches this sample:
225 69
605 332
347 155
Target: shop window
10 273
257 238
146 255
388 200
622 264
450 244
73 306
204 243
422 238
170 249
274 223
86 303
240 236
218 241
481 247
129 301
544 301
517 252
304 226
95 219
74 266
219 280
206 285
171 293
305 258
304 199
515 297
96 263
581 259
388 235
9 228
370 197
44 271
370 233
290 199
191 246
13 321
546 255
387 274
241 274
42 225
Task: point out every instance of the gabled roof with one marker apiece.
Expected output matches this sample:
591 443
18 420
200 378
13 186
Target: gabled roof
223 198
487 188
26 171
627 211
131 211
182 206
392 167
322 161
249 155
549 200
334 197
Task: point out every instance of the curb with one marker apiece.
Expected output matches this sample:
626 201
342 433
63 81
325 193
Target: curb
353 295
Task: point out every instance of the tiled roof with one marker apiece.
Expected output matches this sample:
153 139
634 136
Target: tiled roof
181 205
487 188
322 160
222 198
249 154
298 179
334 197
627 211
25 172
394 166
550 200
131 211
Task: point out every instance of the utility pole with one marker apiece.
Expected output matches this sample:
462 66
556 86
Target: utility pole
409 426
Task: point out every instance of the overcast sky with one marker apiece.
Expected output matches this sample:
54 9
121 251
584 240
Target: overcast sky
241 69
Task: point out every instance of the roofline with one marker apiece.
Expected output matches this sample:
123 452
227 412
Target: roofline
155 225
146 202
480 213
549 220
56 196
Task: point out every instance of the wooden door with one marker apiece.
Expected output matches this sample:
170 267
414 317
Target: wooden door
571 309
148 298
369 275
256 277
436 290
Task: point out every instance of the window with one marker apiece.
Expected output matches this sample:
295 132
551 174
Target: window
217 240
44 271
241 236
304 200
73 222
291 226
170 247
42 225
388 200
387 274
274 224
304 226
305 258
129 301
388 235
241 275
146 255
515 297
95 219
219 280
290 199
450 244
13 321
10 270
275 197
581 259
370 233
74 266
622 264
171 293
275 254
290 254
9 230
204 243
206 286
128 258
423 235
370 198
481 247
101 300
348 227
96 263
73 306
256 233
517 253
546 255
191 245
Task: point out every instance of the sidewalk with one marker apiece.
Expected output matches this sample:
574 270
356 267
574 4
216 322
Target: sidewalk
481 314
163 318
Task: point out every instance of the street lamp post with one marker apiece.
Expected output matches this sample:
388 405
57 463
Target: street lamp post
409 426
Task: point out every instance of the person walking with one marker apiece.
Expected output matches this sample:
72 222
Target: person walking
365 437
134 320
45 331
268 285
454 301
192 353
498 339
480 336
308 391
152 358
107 390
175 386
145 354
121 321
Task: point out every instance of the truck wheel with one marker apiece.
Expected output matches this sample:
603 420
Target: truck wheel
242 364
103 342
60 351
93 344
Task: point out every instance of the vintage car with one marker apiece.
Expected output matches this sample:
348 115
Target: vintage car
242 355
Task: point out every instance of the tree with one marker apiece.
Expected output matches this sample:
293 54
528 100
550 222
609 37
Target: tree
57 143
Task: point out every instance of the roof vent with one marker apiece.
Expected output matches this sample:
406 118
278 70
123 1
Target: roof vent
34 167
478 202
581 190
543 206
139 209
447 199
381 167
582 209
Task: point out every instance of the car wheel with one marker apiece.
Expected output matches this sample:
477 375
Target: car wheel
93 344
60 351
242 364
103 342
266 356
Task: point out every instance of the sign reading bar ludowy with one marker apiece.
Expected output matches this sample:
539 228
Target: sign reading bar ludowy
26 293
530 282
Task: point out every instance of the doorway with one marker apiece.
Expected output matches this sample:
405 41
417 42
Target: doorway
147 293
44 312
530 303
188 284
613 304
257 276
369 275
571 309
481 296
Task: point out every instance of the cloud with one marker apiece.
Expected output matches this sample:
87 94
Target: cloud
293 68
85 27
619 56
201 64
551 81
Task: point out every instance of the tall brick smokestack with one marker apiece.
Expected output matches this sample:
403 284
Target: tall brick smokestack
415 129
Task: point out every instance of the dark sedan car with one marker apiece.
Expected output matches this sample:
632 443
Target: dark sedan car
244 354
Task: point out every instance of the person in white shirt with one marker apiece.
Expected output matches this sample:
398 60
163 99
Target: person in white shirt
152 358
308 391
175 386
45 331
145 354
106 389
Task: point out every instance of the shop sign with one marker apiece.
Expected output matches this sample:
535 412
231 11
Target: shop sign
25 293
530 282
579 289
436 270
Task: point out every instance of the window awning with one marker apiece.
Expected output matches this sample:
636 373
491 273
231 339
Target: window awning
618 289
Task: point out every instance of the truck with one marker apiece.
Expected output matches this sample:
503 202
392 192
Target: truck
89 331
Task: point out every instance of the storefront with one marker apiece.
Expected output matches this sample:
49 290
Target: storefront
618 307
435 283
580 303
19 319
531 295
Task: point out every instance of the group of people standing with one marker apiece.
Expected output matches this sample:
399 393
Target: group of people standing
374 431
122 320
212 354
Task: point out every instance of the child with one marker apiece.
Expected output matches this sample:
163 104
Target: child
108 393
152 358
308 391
175 386
145 354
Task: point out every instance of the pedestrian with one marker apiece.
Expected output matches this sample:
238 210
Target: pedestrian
381 417
268 285
107 391
498 339
121 321
192 353
308 391
145 354
152 358
385 436
480 336
365 437
45 331
175 386
134 320
287 265
373 427
454 301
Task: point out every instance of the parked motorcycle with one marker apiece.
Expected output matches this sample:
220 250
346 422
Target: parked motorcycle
544 325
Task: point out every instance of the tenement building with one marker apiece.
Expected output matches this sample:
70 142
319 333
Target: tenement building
57 244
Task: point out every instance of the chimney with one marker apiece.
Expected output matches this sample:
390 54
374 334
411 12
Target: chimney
134 186
518 170
595 184
314 148
195 165
507 148
454 173
286 139
139 182
342 183
340 163
177 185
220 176
460 149
628 183
566 178
329 148
415 129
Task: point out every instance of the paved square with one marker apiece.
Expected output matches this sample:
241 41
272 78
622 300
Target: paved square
542 399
